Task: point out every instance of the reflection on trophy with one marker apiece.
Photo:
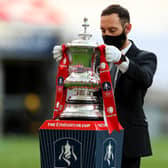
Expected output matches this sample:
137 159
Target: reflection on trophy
82 82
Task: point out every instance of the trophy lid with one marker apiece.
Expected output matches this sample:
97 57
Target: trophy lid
84 40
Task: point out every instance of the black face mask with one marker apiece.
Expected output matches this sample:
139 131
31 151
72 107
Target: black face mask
117 41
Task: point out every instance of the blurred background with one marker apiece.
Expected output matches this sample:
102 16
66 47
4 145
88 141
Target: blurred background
28 31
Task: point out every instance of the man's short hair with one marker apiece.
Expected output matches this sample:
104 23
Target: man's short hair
118 9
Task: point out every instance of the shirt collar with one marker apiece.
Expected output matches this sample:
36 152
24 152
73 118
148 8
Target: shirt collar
124 51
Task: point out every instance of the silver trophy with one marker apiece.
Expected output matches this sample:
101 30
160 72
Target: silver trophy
83 82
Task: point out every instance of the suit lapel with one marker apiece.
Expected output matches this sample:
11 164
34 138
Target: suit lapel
118 76
130 54
112 74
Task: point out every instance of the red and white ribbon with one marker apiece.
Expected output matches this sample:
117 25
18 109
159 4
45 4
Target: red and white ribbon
61 92
110 116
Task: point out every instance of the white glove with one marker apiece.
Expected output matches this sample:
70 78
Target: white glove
57 52
113 54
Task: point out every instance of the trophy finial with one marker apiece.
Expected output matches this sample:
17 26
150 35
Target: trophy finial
85 35
85 25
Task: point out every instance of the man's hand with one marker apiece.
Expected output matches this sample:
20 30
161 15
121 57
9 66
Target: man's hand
113 54
57 52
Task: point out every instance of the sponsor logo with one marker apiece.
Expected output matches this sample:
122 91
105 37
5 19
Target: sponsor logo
103 65
57 104
67 153
110 110
64 61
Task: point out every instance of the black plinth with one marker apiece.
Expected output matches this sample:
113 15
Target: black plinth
79 144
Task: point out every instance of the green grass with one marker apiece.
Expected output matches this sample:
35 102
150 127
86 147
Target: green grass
19 152
24 152
160 155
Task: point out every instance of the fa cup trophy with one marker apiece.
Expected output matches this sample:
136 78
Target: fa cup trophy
84 131
83 84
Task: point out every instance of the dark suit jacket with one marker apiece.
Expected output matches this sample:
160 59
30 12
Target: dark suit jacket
129 94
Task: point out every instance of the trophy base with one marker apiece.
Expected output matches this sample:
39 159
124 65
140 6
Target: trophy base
82 112
82 118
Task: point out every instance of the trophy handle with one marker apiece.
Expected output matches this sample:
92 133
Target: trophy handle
97 69
97 60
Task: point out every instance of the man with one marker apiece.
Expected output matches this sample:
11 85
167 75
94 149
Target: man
132 74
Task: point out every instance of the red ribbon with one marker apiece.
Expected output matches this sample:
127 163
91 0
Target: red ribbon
61 92
111 118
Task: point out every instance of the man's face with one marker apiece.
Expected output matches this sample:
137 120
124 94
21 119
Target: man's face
111 25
